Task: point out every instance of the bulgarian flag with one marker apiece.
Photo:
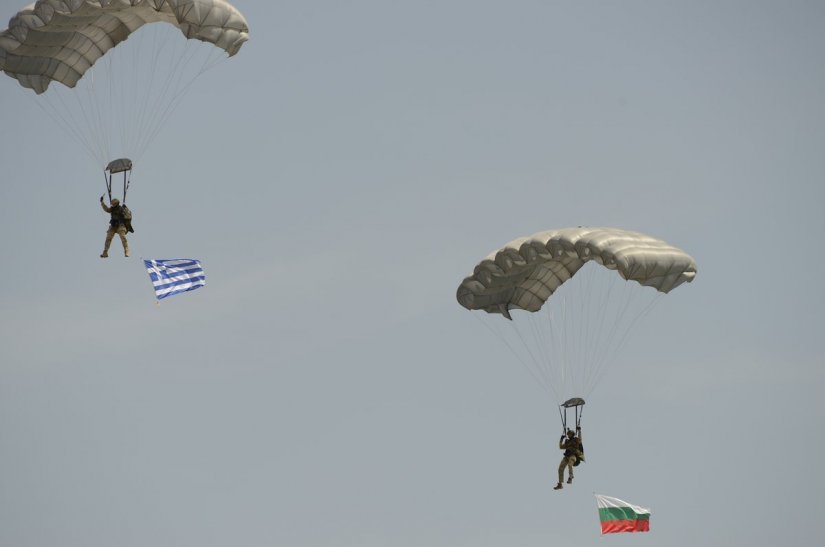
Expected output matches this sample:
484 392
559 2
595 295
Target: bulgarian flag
619 516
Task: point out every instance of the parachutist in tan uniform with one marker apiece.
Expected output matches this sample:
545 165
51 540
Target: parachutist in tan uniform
119 224
573 454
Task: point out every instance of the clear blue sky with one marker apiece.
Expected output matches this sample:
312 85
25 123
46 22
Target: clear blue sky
338 179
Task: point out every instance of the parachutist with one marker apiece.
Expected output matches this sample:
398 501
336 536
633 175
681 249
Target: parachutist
120 223
571 443
550 329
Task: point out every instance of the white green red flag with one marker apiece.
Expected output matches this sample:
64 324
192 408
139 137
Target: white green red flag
619 516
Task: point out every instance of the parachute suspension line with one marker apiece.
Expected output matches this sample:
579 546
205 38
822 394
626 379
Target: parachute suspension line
572 333
181 92
563 348
583 336
598 352
97 89
570 330
126 181
569 348
217 58
579 333
554 360
595 347
108 181
620 336
95 115
558 316
548 362
565 356
606 345
45 102
143 80
544 360
157 41
172 95
606 342
574 301
122 78
142 111
123 90
110 112
564 351
593 292
625 336
148 121
545 328
518 355
564 422
540 375
84 122
114 94
602 292
89 122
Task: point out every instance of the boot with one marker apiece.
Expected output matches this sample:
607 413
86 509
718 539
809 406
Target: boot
104 255
558 486
570 479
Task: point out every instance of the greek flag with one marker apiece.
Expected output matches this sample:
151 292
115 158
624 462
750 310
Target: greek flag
176 275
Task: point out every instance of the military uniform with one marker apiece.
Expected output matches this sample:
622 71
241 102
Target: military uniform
573 452
117 225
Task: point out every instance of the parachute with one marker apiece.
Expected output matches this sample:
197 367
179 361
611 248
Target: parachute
565 330
113 96
56 40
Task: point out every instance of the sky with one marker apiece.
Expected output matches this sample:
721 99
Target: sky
338 179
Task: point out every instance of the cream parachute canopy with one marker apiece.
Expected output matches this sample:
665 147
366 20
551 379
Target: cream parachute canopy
526 272
567 345
124 65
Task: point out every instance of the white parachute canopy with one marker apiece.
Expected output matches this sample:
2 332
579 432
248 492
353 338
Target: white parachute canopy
565 329
116 94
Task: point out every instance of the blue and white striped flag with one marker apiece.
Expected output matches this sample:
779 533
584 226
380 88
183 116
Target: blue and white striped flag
176 275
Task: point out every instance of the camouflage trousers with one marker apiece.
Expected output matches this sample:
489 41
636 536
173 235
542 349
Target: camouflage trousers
110 233
566 461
